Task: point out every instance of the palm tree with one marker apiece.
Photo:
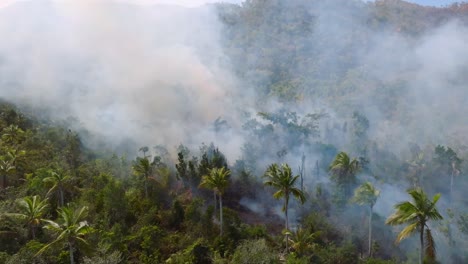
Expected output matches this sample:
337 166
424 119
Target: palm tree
12 134
6 166
302 240
69 231
367 194
143 168
344 170
58 181
218 181
417 164
32 210
144 150
283 180
417 214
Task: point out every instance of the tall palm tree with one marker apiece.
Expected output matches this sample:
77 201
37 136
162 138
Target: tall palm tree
32 211
59 182
283 180
344 170
218 181
417 214
144 150
70 230
367 194
143 168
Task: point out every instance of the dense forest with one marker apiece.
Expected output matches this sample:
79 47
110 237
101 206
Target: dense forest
271 131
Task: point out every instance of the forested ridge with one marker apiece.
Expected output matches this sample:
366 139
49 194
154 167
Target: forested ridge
339 137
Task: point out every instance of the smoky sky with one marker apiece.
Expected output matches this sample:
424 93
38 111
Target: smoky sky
160 75
155 74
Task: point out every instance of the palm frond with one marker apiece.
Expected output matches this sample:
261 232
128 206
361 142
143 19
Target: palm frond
278 194
407 231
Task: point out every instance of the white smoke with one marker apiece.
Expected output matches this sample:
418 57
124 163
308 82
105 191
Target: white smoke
155 74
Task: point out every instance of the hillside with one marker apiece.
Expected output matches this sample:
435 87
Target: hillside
267 132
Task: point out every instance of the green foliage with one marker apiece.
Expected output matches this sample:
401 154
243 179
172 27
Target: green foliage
294 259
284 182
217 180
197 253
343 172
177 215
366 194
417 214
111 258
32 210
378 261
302 242
26 255
255 251
143 169
318 224
70 231
58 181
145 243
333 254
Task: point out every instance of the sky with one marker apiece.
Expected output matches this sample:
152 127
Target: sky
193 3
188 3
434 2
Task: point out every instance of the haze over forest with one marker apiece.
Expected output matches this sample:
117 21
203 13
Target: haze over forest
99 86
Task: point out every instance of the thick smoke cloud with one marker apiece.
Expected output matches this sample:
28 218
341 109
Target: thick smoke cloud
431 99
160 75
155 74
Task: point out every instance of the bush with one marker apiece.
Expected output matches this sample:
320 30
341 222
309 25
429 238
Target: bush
254 251
197 253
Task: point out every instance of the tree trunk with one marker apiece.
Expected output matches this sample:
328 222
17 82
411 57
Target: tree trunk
221 213
4 181
33 232
70 248
61 196
370 232
215 203
286 202
146 188
451 188
421 238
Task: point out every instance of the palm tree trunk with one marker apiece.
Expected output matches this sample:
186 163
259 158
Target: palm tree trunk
221 213
370 232
33 232
421 238
286 202
146 188
61 196
4 181
215 203
451 187
70 249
